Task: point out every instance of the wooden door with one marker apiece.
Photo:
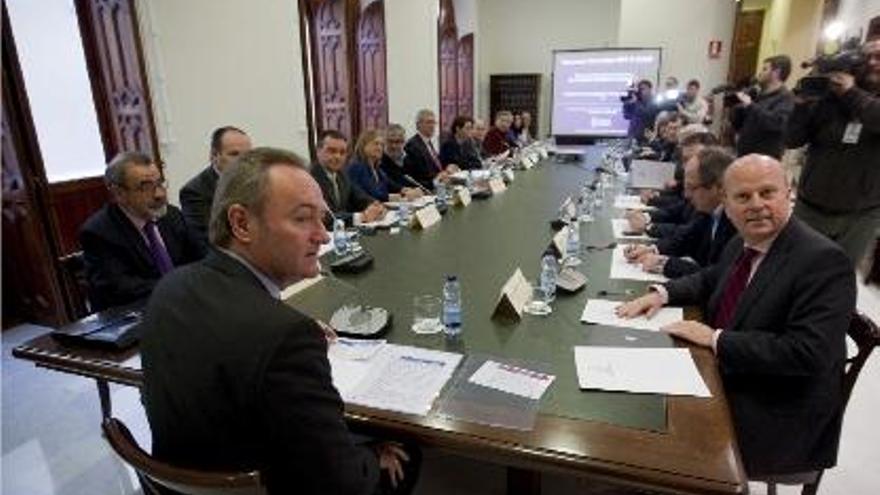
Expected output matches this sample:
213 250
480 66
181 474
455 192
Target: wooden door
114 56
466 75
31 290
372 88
335 105
746 45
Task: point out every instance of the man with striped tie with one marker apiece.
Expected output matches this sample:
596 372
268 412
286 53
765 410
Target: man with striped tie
777 305
131 242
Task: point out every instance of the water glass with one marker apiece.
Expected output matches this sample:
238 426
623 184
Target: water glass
426 314
539 303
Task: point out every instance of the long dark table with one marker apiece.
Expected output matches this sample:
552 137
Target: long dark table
679 444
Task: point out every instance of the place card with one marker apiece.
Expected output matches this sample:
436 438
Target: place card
560 239
497 186
513 298
426 217
508 175
462 196
527 162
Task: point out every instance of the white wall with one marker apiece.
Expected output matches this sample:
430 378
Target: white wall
411 55
219 62
683 29
519 36
855 14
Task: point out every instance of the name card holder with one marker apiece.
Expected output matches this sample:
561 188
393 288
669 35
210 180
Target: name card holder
508 175
527 162
462 196
497 186
426 217
514 296
542 151
560 239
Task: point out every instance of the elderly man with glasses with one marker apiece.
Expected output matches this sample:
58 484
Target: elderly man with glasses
134 240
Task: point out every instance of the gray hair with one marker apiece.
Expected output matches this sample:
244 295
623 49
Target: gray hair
395 129
118 167
245 183
423 114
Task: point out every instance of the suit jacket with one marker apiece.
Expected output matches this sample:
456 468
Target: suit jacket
235 380
694 246
196 198
782 356
119 267
394 171
462 154
495 142
351 198
377 185
418 162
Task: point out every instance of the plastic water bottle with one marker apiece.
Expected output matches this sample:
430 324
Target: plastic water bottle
548 276
452 307
573 245
469 181
340 238
403 215
440 192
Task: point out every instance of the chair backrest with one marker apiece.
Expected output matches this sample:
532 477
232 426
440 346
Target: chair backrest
181 480
73 270
866 335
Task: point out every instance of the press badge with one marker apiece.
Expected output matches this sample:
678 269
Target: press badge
852 132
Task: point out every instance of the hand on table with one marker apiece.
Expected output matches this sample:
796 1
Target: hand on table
634 252
692 331
373 212
647 305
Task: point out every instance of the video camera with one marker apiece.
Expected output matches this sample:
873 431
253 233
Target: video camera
730 99
817 83
631 92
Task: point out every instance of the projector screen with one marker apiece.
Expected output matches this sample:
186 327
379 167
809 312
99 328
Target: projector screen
588 84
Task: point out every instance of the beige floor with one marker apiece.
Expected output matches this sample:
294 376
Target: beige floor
51 444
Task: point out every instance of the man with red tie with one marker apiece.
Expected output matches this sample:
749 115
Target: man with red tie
130 243
777 305
422 161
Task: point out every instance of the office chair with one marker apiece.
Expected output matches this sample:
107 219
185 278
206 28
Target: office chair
866 335
76 286
158 477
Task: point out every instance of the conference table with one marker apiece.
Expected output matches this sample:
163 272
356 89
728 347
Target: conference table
665 443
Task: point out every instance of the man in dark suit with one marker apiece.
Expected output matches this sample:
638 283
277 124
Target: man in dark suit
234 378
133 241
422 162
777 307
394 157
701 242
227 143
346 200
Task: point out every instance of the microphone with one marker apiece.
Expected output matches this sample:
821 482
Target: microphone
417 184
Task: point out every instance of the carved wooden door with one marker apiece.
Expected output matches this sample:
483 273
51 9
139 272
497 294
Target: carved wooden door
111 41
372 88
466 75
330 63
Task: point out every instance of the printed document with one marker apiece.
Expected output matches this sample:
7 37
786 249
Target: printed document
512 379
621 269
669 371
601 312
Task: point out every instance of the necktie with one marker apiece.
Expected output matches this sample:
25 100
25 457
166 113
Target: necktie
335 190
434 156
734 287
157 249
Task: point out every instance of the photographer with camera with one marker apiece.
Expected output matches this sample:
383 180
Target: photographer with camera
639 108
839 190
760 120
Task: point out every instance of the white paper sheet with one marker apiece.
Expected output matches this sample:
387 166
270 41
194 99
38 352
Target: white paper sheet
623 270
669 371
355 349
625 202
621 225
601 311
387 220
397 378
651 174
511 379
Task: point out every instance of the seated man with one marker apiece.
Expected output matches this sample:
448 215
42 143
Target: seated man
777 305
345 200
701 243
422 162
227 143
394 156
234 378
459 149
496 141
478 135
137 238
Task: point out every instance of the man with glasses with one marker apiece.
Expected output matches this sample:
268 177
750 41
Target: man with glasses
134 240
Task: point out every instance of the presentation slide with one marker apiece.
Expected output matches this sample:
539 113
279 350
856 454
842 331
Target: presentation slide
588 84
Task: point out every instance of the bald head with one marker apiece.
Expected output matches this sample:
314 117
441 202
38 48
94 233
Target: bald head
756 197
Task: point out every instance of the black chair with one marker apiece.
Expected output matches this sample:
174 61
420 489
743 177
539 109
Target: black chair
866 335
76 292
158 477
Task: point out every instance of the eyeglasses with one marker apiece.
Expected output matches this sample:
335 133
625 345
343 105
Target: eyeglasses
148 186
